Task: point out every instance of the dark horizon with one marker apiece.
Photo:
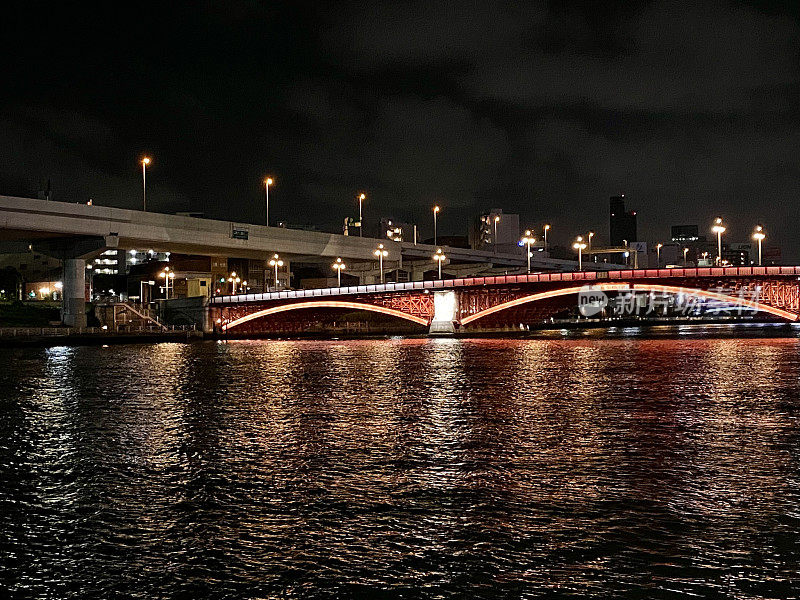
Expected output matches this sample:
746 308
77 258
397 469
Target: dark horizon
545 110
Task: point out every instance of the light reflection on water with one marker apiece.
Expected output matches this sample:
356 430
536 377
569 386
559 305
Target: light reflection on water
406 467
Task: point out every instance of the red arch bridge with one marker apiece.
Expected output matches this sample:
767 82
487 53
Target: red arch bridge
444 306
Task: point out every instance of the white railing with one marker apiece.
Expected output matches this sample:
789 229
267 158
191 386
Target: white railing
509 279
66 331
48 331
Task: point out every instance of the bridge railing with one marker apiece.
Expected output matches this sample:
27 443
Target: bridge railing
586 276
702 272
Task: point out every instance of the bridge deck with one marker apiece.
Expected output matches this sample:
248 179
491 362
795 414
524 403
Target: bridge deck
444 284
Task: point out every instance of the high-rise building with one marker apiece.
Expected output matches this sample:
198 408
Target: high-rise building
504 225
396 230
622 223
686 233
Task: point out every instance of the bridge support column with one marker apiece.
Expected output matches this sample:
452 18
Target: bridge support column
73 307
445 309
208 323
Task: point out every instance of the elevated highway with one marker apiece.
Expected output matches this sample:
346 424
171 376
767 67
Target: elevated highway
76 232
29 220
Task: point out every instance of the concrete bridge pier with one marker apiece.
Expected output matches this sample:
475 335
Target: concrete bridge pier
73 308
73 253
445 311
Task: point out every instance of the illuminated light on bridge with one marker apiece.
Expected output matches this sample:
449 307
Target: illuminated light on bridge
325 304
759 235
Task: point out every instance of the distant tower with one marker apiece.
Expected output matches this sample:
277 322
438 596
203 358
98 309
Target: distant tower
622 223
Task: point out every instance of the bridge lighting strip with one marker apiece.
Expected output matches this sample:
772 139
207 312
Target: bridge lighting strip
325 304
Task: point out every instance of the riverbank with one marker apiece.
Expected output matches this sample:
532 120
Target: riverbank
11 337
16 337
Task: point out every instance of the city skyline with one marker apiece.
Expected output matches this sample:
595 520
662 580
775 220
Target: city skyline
334 102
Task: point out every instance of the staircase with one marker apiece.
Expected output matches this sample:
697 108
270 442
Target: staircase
122 316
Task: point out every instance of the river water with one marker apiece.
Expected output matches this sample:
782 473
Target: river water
566 466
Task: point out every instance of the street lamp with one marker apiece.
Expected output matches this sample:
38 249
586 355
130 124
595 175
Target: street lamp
381 253
719 229
546 229
759 235
580 246
591 235
167 275
145 162
496 221
361 199
267 182
685 252
528 240
658 254
338 265
439 257
276 262
436 210
233 280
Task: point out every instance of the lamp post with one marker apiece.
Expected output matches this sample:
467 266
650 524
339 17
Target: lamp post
719 229
167 275
436 210
439 257
658 254
276 262
233 280
267 182
145 162
685 252
361 198
759 235
580 246
546 229
381 253
338 266
590 236
528 240
496 221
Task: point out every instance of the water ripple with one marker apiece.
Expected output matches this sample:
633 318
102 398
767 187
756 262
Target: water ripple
643 468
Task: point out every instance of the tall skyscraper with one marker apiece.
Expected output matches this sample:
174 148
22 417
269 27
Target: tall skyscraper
622 223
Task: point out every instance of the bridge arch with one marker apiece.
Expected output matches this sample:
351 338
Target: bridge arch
324 304
637 287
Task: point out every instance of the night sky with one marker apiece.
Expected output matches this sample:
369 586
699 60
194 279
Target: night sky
691 109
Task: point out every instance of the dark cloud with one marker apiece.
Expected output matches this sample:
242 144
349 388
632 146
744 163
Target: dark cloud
689 108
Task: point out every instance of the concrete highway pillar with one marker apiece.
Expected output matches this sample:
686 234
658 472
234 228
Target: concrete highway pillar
208 316
73 308
445 309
